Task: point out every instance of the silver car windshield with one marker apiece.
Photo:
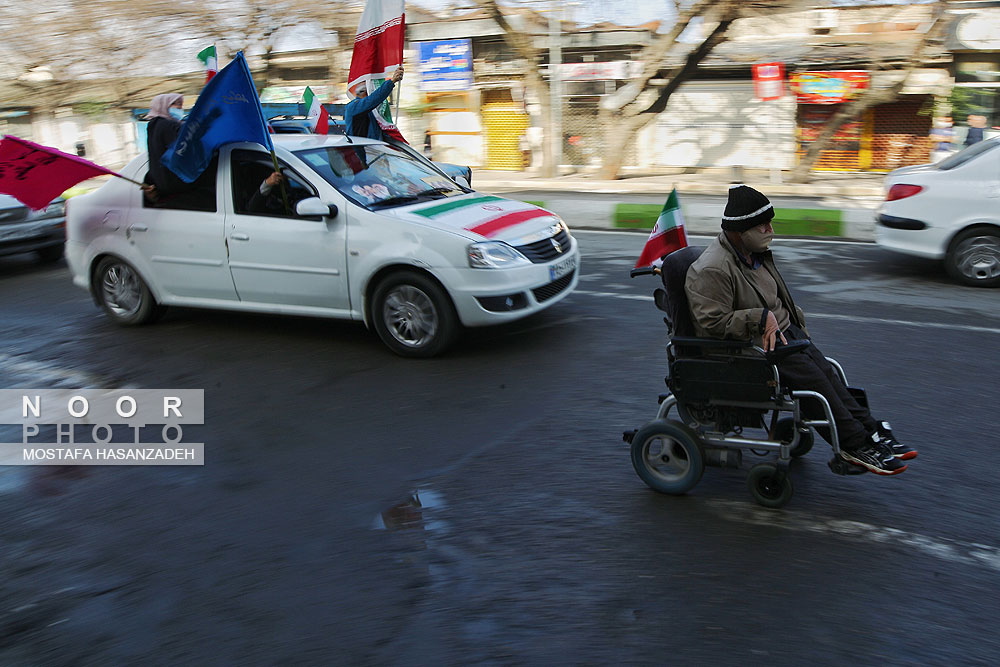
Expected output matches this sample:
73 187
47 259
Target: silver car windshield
378 176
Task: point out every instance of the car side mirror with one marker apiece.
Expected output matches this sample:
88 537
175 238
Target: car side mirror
461 181
314 206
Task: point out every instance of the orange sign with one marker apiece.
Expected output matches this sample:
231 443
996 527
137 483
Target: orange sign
769 81
827 87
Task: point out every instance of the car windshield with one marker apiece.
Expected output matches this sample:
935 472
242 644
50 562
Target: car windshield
973 151
378 176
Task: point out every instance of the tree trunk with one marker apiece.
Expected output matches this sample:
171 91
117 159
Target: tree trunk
617 136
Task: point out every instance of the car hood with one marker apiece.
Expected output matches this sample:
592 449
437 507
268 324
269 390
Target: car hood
477 215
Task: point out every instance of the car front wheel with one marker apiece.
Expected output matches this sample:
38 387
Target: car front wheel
974 257
413 316
122 293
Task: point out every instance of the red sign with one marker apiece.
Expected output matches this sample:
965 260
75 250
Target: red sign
769 81
827 87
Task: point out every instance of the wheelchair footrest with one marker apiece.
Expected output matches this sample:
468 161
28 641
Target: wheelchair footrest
628 435
841 467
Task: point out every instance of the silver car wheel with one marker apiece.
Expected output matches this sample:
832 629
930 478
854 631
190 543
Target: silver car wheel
121 290
978 257
410 316
666 458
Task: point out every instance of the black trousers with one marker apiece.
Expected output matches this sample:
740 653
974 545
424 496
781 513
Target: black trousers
809 370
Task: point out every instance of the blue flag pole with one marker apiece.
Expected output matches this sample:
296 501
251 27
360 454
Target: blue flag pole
270 144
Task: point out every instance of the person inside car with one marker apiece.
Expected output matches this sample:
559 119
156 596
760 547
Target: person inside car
734 291
268 200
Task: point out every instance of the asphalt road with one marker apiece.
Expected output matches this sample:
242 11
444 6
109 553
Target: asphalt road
358 508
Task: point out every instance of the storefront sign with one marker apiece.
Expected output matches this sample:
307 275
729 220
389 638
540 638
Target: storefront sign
615 70
769 81
827 87
446 65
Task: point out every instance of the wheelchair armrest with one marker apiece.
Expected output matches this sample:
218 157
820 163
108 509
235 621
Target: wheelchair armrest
791 347
710 343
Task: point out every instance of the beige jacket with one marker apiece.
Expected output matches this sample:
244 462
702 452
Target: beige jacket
722 300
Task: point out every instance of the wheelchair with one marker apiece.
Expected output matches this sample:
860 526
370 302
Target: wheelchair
728 398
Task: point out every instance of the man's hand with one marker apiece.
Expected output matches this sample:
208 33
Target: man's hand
397 76
274 179
150 192
772 333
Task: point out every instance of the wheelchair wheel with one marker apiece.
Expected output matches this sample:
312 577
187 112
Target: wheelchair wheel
783 431
768 487
667 457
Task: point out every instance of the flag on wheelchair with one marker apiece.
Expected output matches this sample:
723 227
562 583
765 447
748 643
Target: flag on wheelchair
667 235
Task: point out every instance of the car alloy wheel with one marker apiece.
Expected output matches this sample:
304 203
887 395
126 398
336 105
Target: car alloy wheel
122 290
978 257
410 316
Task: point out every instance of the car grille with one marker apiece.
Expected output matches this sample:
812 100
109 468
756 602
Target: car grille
546 292
543 251
9 216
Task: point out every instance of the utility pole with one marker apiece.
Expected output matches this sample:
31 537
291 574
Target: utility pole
555 92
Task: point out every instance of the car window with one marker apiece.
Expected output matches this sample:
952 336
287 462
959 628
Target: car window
198 196
249 171
973 151
377 175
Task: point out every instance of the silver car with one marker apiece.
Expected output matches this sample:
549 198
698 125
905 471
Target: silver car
23 230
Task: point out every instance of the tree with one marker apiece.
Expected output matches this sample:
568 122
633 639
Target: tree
870 97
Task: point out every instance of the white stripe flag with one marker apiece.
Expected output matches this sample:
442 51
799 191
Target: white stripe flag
319 119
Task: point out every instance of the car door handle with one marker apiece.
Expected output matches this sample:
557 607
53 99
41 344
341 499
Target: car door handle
138 228
240 237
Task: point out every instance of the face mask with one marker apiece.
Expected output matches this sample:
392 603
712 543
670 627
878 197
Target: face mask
177 113
756 240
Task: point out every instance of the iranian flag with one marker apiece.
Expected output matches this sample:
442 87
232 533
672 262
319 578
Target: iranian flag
319 119
378 51
210 61
667 235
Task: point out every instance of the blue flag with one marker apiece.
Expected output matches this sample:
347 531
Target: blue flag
228 110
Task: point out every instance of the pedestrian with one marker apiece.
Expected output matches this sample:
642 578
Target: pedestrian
943 136
359 121
734 291
163 187
428 150
977 124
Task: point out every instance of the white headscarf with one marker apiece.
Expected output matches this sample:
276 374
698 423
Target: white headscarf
160 106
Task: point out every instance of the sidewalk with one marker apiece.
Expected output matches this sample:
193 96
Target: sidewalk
841 205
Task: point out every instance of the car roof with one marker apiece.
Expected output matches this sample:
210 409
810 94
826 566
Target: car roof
295 142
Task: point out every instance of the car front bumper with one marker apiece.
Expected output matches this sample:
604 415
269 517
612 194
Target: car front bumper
32 235
492 296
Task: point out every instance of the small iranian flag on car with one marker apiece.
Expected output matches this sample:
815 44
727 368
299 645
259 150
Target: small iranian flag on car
319 119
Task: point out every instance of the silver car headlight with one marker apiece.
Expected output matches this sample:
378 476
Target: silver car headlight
495 255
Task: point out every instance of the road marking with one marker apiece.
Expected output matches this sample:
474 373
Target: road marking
44 373
828 316
967 553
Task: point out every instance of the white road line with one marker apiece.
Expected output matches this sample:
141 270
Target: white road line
828 316
44 373
968 553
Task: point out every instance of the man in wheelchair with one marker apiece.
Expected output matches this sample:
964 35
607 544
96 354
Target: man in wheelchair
735 292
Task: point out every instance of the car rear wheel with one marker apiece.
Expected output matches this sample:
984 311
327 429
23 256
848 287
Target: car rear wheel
413 316
123 294
974 257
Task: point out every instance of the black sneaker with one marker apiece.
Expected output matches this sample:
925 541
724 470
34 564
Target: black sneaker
899 450
875 456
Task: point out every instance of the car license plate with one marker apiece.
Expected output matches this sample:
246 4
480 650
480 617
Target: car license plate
562 268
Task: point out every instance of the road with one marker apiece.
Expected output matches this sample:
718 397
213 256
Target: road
301 540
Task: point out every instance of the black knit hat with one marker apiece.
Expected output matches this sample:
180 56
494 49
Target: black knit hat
745 209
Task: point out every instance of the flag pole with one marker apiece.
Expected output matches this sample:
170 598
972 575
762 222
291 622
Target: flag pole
284 193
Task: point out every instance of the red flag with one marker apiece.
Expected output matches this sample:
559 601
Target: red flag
36 174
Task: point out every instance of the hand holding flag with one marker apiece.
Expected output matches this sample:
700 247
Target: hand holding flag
667 235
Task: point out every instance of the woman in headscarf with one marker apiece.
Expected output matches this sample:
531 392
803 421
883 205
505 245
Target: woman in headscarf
164 116
164 125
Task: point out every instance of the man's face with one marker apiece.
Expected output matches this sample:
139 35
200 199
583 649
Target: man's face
361 92
758 239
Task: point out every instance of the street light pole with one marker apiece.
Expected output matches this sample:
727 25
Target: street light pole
555 94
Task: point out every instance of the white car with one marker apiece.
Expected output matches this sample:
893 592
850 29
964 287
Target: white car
370 233
950 211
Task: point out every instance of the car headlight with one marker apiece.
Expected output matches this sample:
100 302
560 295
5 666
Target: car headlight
56 209
495 255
